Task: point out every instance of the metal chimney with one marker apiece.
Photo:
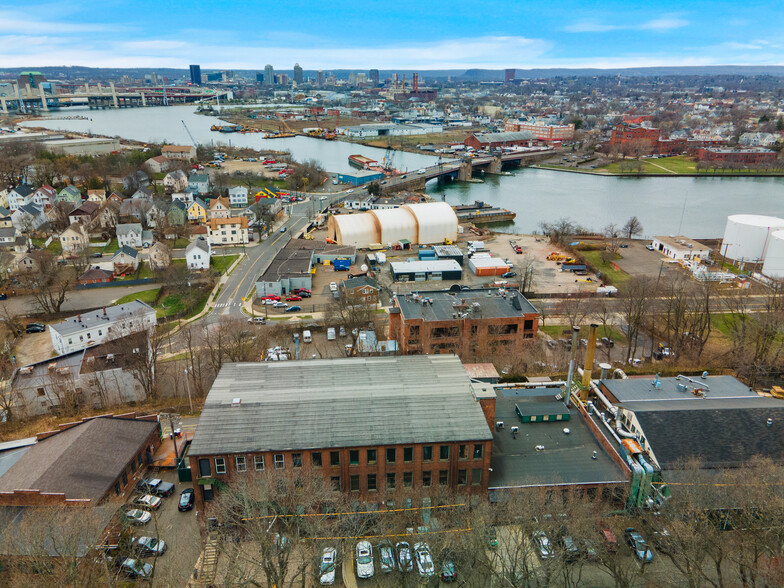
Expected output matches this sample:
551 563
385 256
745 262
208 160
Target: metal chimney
605 367
572 360
589 355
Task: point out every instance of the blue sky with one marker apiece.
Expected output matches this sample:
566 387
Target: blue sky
408 34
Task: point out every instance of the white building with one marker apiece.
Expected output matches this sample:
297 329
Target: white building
175 181
129 235
197 254
680 248
228 231
98 326
74 238
238 196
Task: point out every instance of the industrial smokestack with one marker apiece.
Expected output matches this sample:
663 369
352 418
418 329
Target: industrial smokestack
589 355
572 359
605 367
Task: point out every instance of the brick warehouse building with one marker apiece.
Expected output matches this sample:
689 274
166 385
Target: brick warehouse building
373 427
737 156
628 134
467 322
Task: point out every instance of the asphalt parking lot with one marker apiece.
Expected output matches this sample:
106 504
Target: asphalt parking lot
636 260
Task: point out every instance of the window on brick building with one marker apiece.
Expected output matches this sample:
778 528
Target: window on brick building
353 481
371 456
408 454
280 461
117 488
427 479
258 463
443 452
391 480
125 479
334 458
476 476
315 459
391 455
220 465
239 463
371 482
335 482
427 453
296 460
462 477
443 477
474 330
528 325
462 451
408 479
353 457
477 451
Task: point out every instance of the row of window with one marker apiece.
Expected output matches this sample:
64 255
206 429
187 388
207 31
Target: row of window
134 465
371 480
371 457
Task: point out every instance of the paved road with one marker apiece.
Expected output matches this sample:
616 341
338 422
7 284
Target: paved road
75 299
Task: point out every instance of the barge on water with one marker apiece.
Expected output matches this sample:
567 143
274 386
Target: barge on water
479 212
361 162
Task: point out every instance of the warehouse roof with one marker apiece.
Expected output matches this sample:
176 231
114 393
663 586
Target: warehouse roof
643 389
441 305
561 458
430 265
95 318
287 263
338 403
504 137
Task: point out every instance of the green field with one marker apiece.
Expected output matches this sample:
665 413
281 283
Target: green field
617 277
146 296
112 247
221 263
680 164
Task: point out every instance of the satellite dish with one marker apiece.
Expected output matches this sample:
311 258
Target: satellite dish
364 267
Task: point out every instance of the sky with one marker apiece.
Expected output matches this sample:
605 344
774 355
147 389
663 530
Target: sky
404 34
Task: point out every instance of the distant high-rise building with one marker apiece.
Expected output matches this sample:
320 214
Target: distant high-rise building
297 74
283 79
319 78
352 79
259 78
509 75
361 78
269 75
196 75
374 77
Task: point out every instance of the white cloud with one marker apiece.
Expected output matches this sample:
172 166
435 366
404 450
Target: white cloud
664 24
11 22
658 24
736 45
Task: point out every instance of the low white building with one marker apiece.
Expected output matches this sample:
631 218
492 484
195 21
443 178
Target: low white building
238 196
197 254
74 238
98 326
129 235
680 248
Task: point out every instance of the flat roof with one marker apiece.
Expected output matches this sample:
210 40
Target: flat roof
643 389
565 459
447 250
445 304
95 318
425 265
288 263
321 247
681 242
338 403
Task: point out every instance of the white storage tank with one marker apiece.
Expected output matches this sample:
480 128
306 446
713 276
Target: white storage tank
747 236
774 257
435 221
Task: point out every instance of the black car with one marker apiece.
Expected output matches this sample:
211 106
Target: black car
148 485
164 489
509 275
35 328
97 254
186 500
3 296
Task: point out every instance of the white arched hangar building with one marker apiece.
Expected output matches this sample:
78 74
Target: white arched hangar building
423 224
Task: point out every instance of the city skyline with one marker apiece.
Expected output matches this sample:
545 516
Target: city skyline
439 35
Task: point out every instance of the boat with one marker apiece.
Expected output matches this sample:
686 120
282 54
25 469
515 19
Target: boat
479 213
279 136
361 162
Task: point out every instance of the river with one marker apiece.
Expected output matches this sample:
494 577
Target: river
696 207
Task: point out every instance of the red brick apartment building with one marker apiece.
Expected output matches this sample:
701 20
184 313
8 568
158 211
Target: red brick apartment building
628 134
467 323
737 156
376 427
543 132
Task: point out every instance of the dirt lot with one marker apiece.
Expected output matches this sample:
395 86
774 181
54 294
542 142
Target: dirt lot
254 167
33 347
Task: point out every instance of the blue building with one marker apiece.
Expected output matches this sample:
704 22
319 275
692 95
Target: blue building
359 177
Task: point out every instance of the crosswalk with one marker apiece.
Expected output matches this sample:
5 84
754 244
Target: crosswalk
226 304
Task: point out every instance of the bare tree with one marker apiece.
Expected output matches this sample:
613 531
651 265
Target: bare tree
637 294
632 227
48 284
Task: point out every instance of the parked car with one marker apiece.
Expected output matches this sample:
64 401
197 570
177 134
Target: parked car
448 571
293 298
405 562
571 551
386 557
424 560
509 275
649 247
133 568
187 498
364 558
97 254
492 537
137 517
3 296
304 293
273 297
257 320
333 286
282 229
610 542
639 547
148 501
146 546
294 308
148 485
166 489
607 341
327 567
543 547
280 305
35 328
342 331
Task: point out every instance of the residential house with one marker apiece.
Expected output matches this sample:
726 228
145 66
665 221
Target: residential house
106 216
179 152
361 289
197 254
84 213
19 196
184 197
74 238
132 209
5 218
7 237
154 214
28 217
228 231
4 197
176 215
135 180
70 194
115 197
238 196
98 196
197 211
44 196
125 261
199 184
219 208
96 275
158 164
158 256
144 193
129 235
26 264
175 181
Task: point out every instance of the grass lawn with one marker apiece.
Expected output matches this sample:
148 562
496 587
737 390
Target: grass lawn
221 263
680 164
146 296
199 306
180 243
172 304
555 331
54 247
618 277
112 247
723 322
144 271
612 333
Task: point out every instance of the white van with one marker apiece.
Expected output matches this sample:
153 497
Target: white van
306 337
331 334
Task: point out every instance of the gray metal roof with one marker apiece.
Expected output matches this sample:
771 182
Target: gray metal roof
503 137
425 265
338 403
445 304
125 228
200 243
643 389
94 318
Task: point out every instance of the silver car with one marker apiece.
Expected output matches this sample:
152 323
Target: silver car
327 567
364 557
424 560
138 517
404 560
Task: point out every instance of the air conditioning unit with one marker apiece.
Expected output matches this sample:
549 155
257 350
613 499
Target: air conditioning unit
26 371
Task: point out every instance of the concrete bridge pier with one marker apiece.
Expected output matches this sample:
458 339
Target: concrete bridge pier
144 99
4 104
495 165
43 99
465 173
114 95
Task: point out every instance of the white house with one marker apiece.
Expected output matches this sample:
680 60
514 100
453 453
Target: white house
228 231
125 261
181 152
74 238
219 208
98 326
185 197
238 196
158 164
19 196
129 235
197 254
28 217
44 196
175 181
199 184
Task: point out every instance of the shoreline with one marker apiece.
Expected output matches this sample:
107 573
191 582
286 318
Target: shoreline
659 175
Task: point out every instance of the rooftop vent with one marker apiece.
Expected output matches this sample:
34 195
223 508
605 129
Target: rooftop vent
26 371
53 366
566 431
236 401
769 423
110 357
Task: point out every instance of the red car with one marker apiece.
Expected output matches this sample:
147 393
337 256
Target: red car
271 297
268 161
294 298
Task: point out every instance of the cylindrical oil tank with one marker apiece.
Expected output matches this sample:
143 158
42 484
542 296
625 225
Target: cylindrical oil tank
435 221
359 230
396 224
747 236
774 256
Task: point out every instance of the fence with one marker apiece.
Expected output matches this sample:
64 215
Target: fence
117 283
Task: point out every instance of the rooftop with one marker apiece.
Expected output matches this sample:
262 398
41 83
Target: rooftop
76 324
287 263
678 242
643 389
443 305
338 403
503 137
427 265
562 458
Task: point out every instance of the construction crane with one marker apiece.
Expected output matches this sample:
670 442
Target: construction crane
189 134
